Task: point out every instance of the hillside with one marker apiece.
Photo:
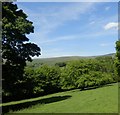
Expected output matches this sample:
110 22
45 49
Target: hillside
100 100
53 61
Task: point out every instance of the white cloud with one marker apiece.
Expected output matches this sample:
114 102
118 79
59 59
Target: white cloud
106 44
76 37
62 38
92 22
103 44
107 8
58 16
52 17
111 25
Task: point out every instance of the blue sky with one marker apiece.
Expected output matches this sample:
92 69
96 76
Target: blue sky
73 28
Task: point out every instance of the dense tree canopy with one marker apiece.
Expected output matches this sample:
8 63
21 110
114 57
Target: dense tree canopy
15 26
118 58
16 48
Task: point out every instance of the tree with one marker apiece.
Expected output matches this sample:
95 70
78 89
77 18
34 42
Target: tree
118 58
48 78
16 48
60 64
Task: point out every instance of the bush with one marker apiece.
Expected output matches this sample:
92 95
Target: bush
87 73
106 79
49 78
71 73
88 80
31 84
61 64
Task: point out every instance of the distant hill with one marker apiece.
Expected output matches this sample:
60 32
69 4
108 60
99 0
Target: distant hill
54 60
111 54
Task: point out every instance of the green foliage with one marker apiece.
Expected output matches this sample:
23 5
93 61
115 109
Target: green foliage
88 73
31 83
15 26
16 48
117 61
71 72
83 74
40 81
49 78
60 64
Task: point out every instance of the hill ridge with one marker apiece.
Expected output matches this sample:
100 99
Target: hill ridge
54 60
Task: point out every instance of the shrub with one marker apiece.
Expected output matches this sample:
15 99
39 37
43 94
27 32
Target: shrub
31 83
61 64
49 78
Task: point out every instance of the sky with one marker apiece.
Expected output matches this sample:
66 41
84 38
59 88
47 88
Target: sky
73 28
68 0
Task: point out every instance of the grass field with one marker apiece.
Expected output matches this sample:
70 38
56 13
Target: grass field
100 100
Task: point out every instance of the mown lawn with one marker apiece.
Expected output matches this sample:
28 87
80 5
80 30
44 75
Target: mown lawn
100 100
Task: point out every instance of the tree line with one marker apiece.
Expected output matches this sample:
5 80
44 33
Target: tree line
82 74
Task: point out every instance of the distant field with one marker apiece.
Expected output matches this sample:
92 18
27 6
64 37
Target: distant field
53 61
100 100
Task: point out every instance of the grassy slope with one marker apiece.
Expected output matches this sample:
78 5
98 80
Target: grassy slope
52 61
100 100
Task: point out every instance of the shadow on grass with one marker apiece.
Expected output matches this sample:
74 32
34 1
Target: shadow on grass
16 107
87 88
95 87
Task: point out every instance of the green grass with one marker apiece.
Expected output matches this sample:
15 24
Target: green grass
100 100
